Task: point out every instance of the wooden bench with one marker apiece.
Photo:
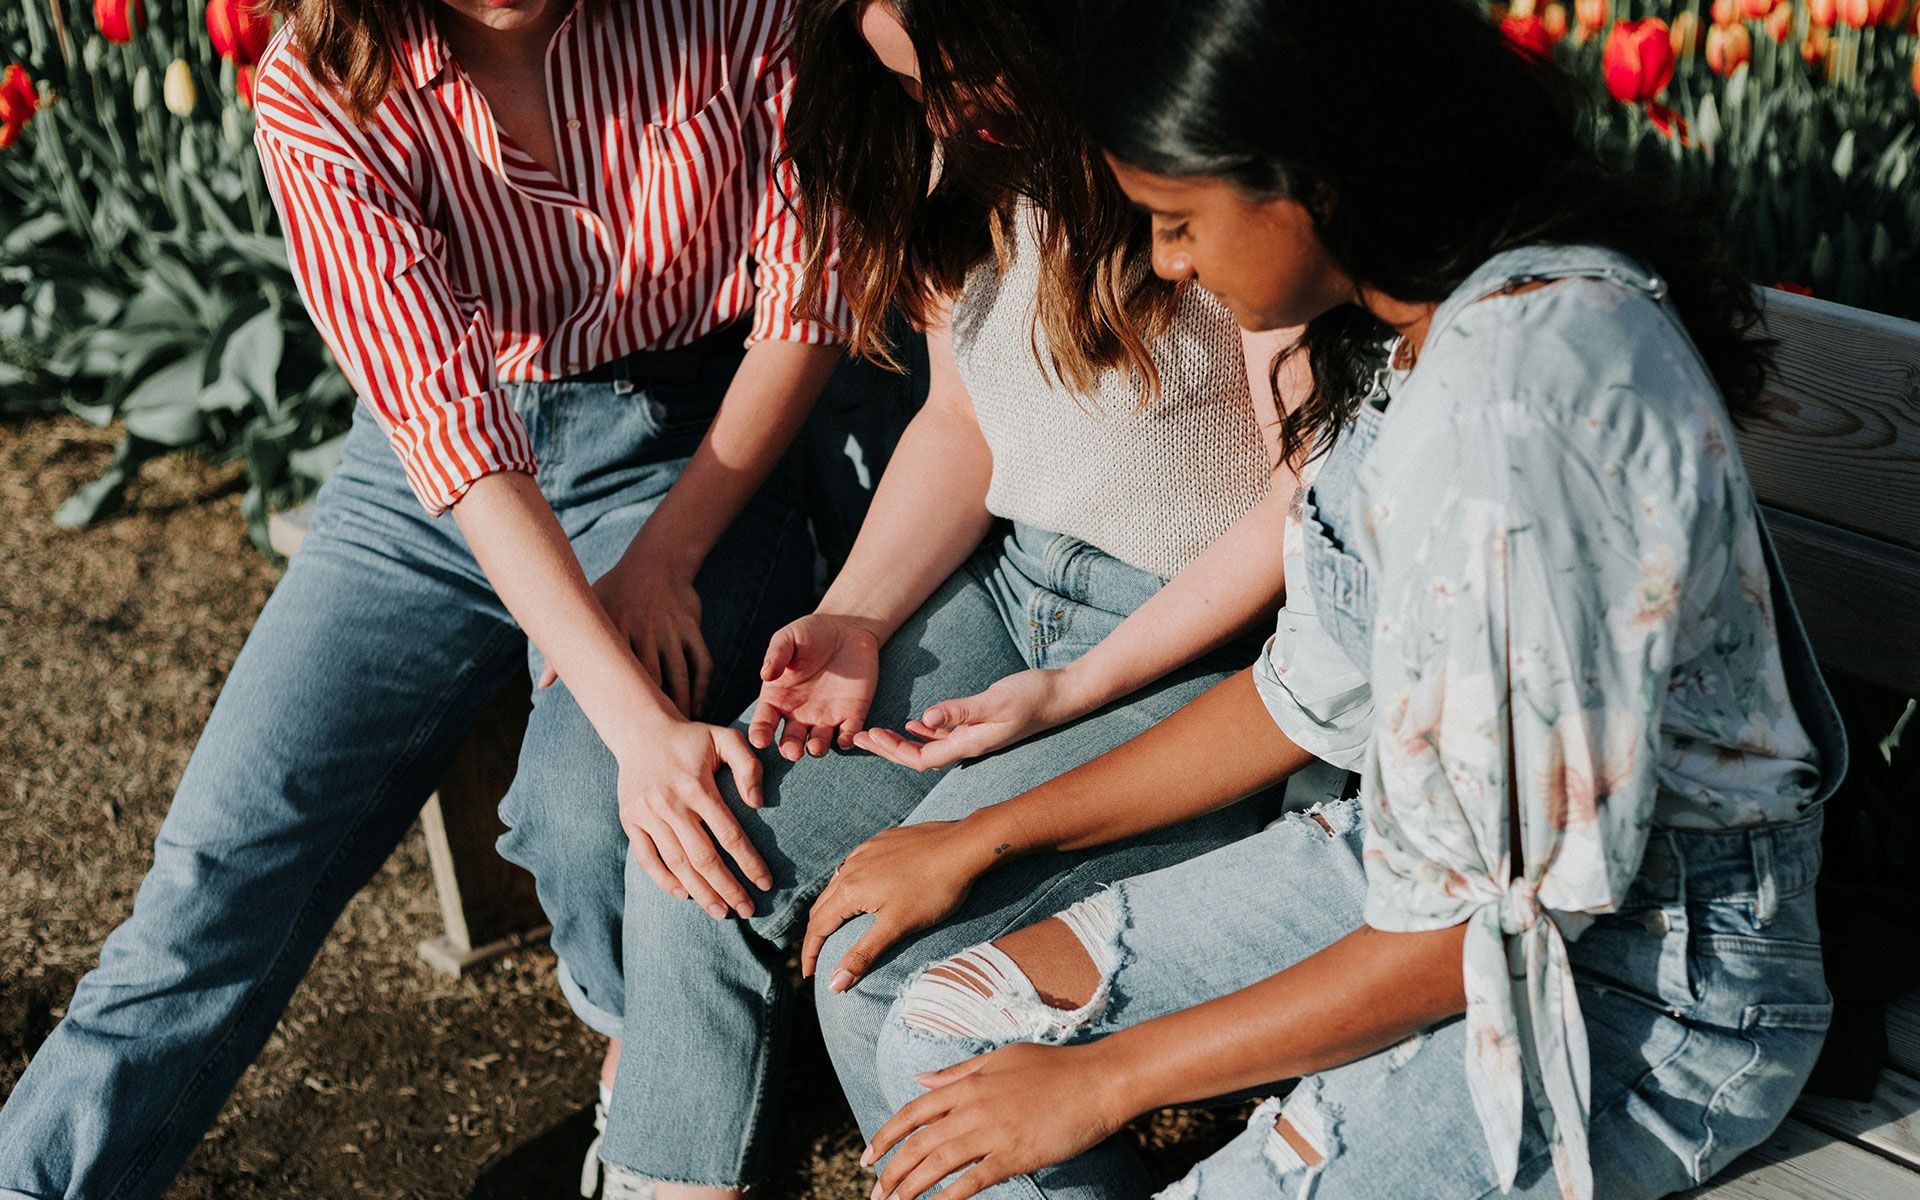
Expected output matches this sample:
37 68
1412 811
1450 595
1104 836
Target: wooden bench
1837 465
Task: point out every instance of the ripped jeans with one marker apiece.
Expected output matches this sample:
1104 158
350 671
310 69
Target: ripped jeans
1703 996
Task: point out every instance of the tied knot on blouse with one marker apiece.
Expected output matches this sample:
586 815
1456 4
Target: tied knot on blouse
1519 906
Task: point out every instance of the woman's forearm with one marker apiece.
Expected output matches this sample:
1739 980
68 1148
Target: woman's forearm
771 394
1220 748
928 515
1235 586
526 555
1363 993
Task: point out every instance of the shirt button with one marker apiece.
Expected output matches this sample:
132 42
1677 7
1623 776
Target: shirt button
574 124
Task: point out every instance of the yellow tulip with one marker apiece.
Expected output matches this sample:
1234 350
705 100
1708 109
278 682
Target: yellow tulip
178 92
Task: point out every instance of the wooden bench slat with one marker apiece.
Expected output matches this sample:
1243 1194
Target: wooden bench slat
1889 1123
1856 596
1801 1163
1842 443
1903 1034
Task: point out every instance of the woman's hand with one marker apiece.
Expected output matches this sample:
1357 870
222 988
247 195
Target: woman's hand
818 679
1017 707
908 877
678 823
657 610
1015 1110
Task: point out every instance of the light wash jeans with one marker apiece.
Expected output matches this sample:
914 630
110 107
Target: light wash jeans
1703 997
705 1004
371 661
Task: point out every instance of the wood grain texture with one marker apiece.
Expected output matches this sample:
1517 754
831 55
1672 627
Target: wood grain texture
1801 1163
1888 1124
1858 596
1903 1034
1841 443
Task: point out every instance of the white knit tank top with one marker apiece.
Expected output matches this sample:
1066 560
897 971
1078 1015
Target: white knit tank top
1150 485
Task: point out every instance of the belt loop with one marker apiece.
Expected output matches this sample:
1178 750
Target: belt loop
623 377
1766 895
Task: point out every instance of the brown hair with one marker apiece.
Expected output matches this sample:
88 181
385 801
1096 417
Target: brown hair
347 45
913 210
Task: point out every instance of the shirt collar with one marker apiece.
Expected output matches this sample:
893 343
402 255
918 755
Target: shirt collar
1528 264
418 49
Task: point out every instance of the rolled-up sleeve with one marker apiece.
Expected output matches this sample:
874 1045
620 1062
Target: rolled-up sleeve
780 249
375 282
1525 629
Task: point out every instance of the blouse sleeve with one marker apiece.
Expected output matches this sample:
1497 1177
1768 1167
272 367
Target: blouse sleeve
1528 592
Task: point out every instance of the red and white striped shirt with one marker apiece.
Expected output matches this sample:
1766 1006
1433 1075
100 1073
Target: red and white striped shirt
441 261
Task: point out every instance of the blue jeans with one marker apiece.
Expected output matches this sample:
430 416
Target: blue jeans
1703 997
374 657
705 1003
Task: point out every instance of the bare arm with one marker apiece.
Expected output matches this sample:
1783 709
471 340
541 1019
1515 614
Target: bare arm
929 512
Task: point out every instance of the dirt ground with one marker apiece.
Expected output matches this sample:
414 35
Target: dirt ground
384 1079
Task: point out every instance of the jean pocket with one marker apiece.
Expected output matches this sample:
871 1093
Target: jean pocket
1806 1018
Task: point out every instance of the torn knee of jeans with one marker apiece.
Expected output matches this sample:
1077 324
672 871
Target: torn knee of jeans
1302 1135
1401 1053
982 994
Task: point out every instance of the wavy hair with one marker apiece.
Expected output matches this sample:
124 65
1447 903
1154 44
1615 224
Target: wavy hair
1421 144
917 191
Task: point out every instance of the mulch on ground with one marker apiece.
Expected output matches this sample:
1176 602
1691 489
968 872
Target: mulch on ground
384 1079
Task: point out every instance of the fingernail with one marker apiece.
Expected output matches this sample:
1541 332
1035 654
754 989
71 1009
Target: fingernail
841 981
764 883
681 894
866 1157
877 1193
719 911
743 908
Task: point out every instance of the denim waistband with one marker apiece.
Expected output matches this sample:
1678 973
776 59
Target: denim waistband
1760 863
1079 571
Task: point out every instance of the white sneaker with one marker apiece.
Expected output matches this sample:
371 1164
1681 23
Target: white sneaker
603 1180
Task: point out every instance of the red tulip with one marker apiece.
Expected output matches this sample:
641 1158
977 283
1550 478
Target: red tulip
1797 289
239 30
1638 60
243 86
1729 47
1528 35
1755 9
18 101
1916 73
119 20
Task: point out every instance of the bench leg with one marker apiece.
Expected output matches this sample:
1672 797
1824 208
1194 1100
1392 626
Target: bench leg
488 903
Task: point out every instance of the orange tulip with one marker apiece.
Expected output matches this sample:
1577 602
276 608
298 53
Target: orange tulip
1861 13
1590 16
1638 60
119 20
239 30
1820 13
18 103
1755 9
1555 18
1780 23
1819 42
1916 73
1724 12
1528 35
1729 47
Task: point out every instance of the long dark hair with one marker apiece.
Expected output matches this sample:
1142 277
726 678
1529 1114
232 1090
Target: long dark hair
1420 143
915 211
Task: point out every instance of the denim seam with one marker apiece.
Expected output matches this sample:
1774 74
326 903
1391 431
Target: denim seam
144 1157
1697 1169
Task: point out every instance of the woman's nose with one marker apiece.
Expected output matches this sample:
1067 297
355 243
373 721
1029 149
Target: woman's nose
1172 264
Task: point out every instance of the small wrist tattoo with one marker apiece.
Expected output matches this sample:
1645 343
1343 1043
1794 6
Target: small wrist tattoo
1002 848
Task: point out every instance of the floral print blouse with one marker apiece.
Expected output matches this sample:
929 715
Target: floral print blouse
1540 549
